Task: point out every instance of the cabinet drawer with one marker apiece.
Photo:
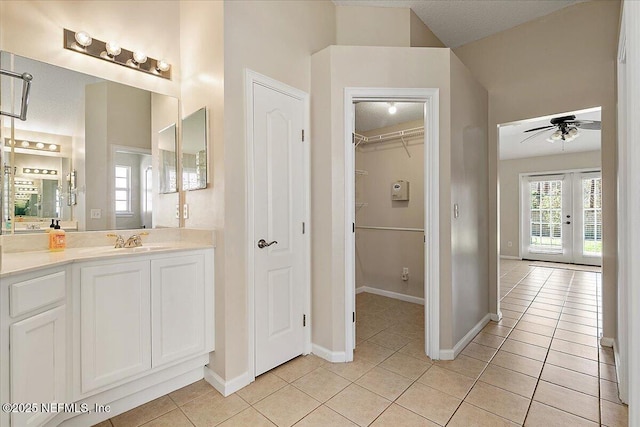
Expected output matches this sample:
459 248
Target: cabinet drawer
35 293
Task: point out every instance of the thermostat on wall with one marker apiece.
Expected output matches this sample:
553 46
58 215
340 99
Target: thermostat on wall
400 191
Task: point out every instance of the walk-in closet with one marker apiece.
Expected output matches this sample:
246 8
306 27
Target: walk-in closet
389 229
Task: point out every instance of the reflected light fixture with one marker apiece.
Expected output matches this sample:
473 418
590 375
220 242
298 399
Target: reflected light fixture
40 145
82 42
53 147
31 146
25 144
40 171
392 108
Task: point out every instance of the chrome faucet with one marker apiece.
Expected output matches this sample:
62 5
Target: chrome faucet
135 240
119 240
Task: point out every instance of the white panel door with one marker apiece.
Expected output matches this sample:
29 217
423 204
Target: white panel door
547 209
177 308
115 322
38 364
278 216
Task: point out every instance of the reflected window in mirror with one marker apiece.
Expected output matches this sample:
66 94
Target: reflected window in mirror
194 151
123 190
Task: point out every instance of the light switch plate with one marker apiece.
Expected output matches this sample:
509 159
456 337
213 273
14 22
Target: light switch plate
177 211
96 213
185 211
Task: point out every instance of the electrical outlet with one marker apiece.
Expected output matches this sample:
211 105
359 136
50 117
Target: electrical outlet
177 211
405 270
509 244
185 211
96 213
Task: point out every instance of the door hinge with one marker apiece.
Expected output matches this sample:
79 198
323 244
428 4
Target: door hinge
303 228
302 135
304 320
353 225
354 316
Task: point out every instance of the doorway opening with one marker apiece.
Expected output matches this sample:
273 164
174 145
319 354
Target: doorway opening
391 212
550 188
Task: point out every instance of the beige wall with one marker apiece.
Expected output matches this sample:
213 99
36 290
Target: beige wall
381 255
276 39
421 35
529 72
510 171
344 66
469 187
382 26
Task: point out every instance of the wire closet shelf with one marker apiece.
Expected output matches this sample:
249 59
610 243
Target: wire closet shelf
402 135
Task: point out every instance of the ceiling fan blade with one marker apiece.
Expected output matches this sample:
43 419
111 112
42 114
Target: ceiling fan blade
535 134
588 124
543 127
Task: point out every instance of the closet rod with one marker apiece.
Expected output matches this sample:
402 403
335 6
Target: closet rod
366 227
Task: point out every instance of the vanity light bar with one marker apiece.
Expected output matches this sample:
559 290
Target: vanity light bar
38 171
111 51
22 182
33 145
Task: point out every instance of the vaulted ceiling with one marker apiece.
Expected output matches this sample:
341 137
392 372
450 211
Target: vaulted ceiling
458 22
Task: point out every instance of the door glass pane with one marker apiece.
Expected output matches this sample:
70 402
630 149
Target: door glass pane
546 215
592 216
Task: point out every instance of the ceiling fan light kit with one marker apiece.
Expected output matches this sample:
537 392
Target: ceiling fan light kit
565 129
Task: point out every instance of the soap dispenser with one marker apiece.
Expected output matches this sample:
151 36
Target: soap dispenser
57 238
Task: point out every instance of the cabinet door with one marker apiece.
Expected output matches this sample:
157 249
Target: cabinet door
177 307
115 327
38 367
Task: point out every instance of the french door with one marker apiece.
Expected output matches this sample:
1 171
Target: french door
562 217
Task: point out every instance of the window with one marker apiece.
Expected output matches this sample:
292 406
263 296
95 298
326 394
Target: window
546 215
123 190
592 216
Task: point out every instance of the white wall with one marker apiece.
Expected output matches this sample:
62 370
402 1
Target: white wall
510 171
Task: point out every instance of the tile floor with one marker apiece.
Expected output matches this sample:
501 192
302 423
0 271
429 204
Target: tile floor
539 366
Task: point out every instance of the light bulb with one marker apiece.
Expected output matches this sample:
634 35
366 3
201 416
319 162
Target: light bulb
44 171
573 132
25 144
27 170
53 147
36 171
139 57
162 65
83 39
53 172
393 109
113 49
40 145
556 135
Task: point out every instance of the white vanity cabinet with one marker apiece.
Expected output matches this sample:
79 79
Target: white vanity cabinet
178 307
34 336
137 317
115 325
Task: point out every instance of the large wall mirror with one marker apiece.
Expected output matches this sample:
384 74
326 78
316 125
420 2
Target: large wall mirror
90 154
194 151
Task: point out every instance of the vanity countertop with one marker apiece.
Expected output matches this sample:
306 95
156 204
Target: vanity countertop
20 260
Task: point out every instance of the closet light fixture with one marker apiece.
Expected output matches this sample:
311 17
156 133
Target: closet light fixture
112 51
392 108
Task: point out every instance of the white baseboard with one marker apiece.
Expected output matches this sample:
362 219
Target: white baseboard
450 354
326 354
496 317
510 257
226 387
606 342
389 294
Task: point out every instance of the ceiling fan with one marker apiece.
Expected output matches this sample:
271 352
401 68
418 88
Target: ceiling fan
566 128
